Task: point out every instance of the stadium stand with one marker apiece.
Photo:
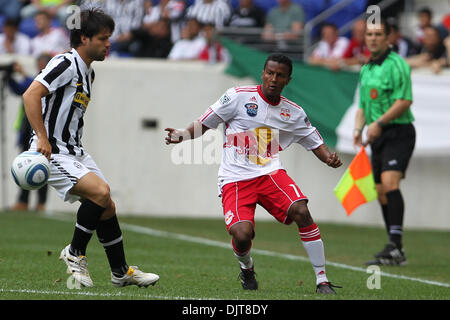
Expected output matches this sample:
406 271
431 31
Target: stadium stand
317 12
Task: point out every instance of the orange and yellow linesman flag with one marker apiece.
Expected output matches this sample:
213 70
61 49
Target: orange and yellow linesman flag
357 185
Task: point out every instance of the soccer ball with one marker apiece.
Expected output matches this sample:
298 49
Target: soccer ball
30 170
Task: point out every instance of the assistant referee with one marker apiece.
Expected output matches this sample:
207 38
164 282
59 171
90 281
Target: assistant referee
385 100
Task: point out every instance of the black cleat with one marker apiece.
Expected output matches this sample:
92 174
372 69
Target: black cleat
248 280
326 288
389 256
387 248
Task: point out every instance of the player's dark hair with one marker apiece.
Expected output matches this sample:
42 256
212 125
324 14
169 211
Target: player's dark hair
92 22
11 22
280 58
385 24
44 13
426 11
328 24
440 33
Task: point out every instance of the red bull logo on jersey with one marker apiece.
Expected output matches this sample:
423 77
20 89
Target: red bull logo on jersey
258 146
229 217
252 109
285 114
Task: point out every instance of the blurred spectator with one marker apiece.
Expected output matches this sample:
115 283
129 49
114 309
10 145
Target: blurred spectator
25 131
88 4
284 22
443 32
152 41
433 53
49 40
216 12
393 10
330 49
340 18
425 17
213 51
127 15
357 52
11 8
55 8
171 10
12 41
247 14
447 48
446 21
191 43
400 44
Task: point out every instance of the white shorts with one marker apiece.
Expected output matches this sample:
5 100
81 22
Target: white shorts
66 170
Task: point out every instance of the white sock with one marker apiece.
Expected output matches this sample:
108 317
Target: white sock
313 245
316 255
245 261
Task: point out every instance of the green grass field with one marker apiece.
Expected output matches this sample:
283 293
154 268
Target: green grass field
194 260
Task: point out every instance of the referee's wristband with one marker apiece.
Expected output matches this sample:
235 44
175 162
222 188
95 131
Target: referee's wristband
381 124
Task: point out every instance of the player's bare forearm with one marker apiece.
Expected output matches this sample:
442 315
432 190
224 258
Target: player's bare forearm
195 130
360 122
331 159
33 109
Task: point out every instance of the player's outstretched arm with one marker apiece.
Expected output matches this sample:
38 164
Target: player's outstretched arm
195 130
331 159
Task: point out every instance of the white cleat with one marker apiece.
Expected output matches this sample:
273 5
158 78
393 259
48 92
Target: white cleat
77 267
136 277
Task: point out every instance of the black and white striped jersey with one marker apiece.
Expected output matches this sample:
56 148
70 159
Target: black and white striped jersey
217 12
68 80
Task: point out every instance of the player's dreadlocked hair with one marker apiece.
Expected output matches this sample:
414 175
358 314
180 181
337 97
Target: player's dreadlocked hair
280 58
93 21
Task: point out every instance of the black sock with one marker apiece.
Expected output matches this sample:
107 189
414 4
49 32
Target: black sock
110 236
384 210
395 216
88 217
24 194
42 194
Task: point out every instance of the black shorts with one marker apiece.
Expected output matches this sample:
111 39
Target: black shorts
393 149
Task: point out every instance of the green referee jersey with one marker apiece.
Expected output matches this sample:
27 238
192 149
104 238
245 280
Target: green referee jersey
383 81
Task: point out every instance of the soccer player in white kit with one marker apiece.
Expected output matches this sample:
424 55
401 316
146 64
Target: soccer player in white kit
55 104
258 123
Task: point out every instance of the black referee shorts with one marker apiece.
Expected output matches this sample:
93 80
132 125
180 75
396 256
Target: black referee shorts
393 149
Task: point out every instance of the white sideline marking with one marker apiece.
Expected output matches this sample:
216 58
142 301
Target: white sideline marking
177 236
214 243
94 294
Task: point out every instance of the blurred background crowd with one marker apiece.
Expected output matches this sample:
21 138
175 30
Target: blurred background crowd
320 32
323 33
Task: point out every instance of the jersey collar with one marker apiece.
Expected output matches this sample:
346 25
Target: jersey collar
261 94
80 60
380 60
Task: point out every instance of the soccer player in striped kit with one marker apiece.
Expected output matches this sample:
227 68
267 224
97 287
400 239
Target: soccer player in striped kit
55 104
258 123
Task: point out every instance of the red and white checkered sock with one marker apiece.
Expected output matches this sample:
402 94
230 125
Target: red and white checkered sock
313 245
244 258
